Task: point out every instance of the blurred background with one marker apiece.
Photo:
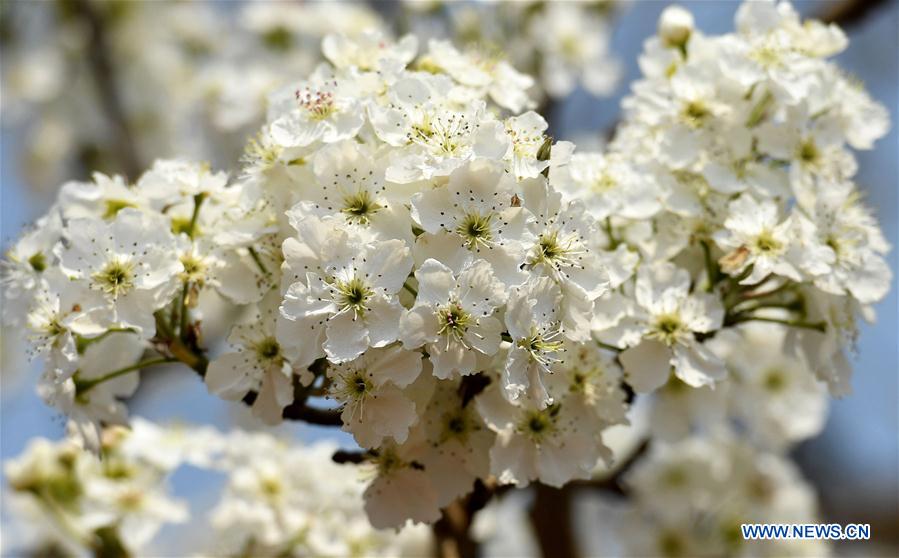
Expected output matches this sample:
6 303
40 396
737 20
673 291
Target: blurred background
854 464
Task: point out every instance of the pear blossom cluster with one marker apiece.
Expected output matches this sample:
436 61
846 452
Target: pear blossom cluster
425 256
731 176
404 253
563 45
691 497
266 509
112 272
190 79
199 80
67 500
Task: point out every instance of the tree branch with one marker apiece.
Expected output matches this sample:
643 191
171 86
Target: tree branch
452 532
551 518
849 12
322 417
110 101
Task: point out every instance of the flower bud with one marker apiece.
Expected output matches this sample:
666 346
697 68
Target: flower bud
675 26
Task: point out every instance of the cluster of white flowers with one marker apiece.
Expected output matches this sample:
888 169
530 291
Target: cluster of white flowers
690 499
192 79
731 177
562 44
418 263
268 509
72 501
112 271
67 502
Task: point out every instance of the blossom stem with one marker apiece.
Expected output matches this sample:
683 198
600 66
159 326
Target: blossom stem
607 347
182 305
613 242
796 305
818 326
198 201
763 294
411 289
83 386
710 266
82 343
258 260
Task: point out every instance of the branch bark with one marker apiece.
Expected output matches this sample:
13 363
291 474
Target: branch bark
322 417
551 518
452 532
849 12
103 74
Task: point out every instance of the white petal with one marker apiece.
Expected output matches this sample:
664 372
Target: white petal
697 366
231 376
647 366
346 337
396 497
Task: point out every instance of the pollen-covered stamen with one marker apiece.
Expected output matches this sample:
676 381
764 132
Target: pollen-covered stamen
441 133
537 424
268 350
387 460
775 380
603 183
359 207
351 385
476 229
766 243
116 277
695 113
261 152
319 104
544 346
808 152
525 143
556 251
585 380
454 320
271 487
669 329
352 295
458 424
46 326
194 269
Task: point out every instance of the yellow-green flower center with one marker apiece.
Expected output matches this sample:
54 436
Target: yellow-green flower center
359 207
116 278
268 349
766 242
454 320
353 295
475 229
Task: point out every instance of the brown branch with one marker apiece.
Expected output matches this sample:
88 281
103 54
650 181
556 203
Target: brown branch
849 12
452 532
551 517
103 73
342 457
322 417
